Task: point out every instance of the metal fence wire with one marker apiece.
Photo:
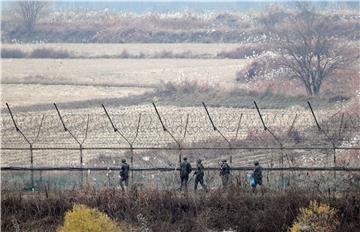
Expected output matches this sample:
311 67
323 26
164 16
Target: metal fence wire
155 139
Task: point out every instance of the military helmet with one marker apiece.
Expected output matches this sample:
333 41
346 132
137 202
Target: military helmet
123 161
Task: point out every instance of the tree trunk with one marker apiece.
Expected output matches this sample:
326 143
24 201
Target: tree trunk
316 88
308 86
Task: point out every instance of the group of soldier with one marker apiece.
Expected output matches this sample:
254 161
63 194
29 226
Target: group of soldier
186 169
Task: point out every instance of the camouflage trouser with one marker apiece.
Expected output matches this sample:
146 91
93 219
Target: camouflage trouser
225 181
184 180
201 180
258 181
126 180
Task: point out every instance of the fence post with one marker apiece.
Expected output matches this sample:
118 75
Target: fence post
40 179
132 149
328 137
28 141
32 166
213 125
164 128
132 164
339 136
74 137
281 161
335 169
81 165
130 143
282 173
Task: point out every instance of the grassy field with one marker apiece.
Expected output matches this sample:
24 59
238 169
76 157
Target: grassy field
112 72
45 94
80 86
130 81
128 70
84 79
100 49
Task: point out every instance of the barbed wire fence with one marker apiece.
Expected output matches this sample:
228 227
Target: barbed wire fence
156 141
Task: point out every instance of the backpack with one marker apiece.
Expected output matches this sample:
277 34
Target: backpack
258 174
185 168
124 170
200 170
225 169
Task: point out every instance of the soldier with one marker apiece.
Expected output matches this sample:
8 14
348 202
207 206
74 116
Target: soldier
185 169
124 174
199 175
224 173
257 175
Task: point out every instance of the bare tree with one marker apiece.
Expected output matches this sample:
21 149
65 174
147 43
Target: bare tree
30 12
309 48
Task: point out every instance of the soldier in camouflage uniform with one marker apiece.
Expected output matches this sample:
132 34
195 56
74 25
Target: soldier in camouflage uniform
225 173
257 174
124 174
185 169
199 175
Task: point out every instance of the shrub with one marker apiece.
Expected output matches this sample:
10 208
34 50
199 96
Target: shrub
265 67
82 218
342 84
317 217
124 54
338 98
184 87
243 52
164 54
49 53
12 53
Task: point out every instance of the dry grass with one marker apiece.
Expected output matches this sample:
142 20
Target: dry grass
45 53
121 72
245 51
120 27
94 50
12 53
46 94
160 211
65 78
38 53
